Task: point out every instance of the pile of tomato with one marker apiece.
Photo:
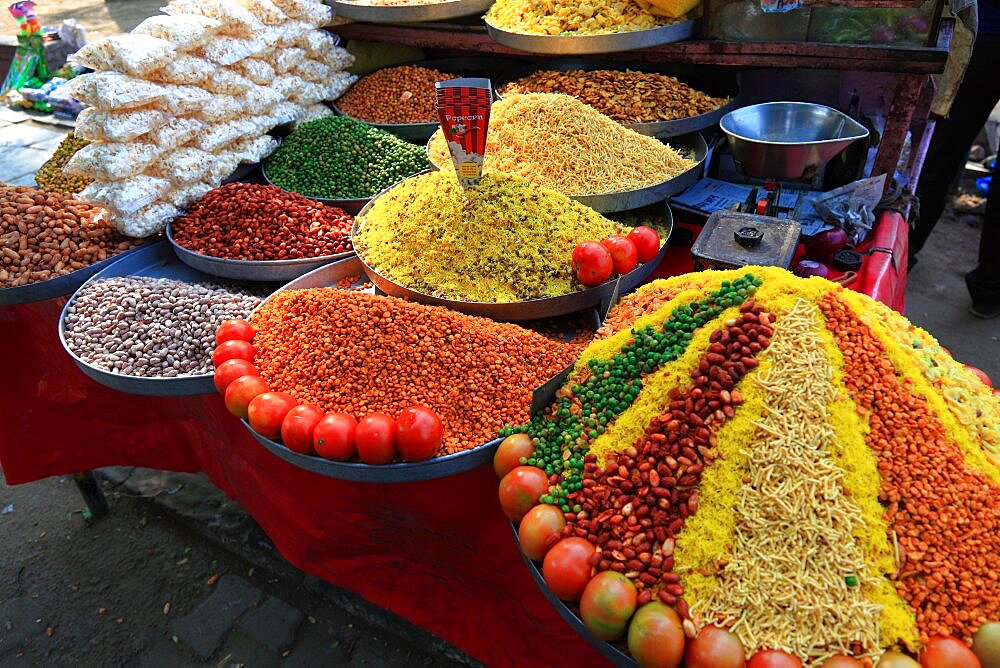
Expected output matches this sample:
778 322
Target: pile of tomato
655 634
377 438
594 263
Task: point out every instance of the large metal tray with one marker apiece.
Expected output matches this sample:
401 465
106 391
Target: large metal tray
531 309
438 11
277 271
418 133
439 467
155 260
680 126
59 286
580 45
692 145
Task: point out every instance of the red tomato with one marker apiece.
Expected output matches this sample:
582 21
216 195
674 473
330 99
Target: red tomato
656 637
418 433
234 329
537 528
241 392
623 253
980 374
714 648
607 604
333 436
592 263
375 438
646 241
512 449
233 350
896 660
774 658
297 428
566 568
230 370
841 661
520 489
947 652
267 411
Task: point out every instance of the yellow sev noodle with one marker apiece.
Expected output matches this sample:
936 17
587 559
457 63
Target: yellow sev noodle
784 584
561 143
554 17
506 240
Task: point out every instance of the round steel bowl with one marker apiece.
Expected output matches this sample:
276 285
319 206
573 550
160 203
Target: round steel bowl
579 45
438 11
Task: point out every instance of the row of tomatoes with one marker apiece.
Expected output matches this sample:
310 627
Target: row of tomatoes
655 634
594 263
376 438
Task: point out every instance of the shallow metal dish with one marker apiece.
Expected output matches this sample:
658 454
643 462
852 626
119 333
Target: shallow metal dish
418 133
660 129
250 270
156 260
531 309
580 45
693 145
351 206
439 467
59 286
438 11
788 140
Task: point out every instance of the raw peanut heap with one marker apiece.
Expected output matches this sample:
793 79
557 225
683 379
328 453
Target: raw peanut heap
44 235
248 221
634 506
395 95
626 96
945 515
360 353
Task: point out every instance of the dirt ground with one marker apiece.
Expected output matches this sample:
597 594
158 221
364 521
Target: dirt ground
99 18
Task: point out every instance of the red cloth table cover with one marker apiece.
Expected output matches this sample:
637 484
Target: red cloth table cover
439 553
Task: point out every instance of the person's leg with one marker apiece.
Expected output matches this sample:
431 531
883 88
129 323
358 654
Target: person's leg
984 281
953 136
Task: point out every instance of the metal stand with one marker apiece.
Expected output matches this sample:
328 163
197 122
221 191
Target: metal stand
92 493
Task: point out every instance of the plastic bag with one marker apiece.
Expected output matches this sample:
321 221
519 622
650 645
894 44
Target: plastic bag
235 19
215 137
266 11
286 59
137 55
254 149
184 70
261 97
185 31
113 90
308 93
230 50
184 100
312 112
126 196
111 162
314 13
256 70
312 70
175 132
287 84
147 221
183 165
223 108
227 82
338 84
317 42
337 58
95 125
225 164
187 195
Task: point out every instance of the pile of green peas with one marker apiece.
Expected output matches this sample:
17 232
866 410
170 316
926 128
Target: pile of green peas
562 438
336 157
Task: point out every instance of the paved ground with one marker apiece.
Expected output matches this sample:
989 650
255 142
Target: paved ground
155 584
99 18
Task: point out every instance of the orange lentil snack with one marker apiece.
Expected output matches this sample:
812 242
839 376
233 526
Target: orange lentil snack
360 353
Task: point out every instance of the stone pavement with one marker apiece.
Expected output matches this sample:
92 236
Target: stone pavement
27 140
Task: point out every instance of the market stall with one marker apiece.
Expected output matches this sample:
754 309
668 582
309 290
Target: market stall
340 311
